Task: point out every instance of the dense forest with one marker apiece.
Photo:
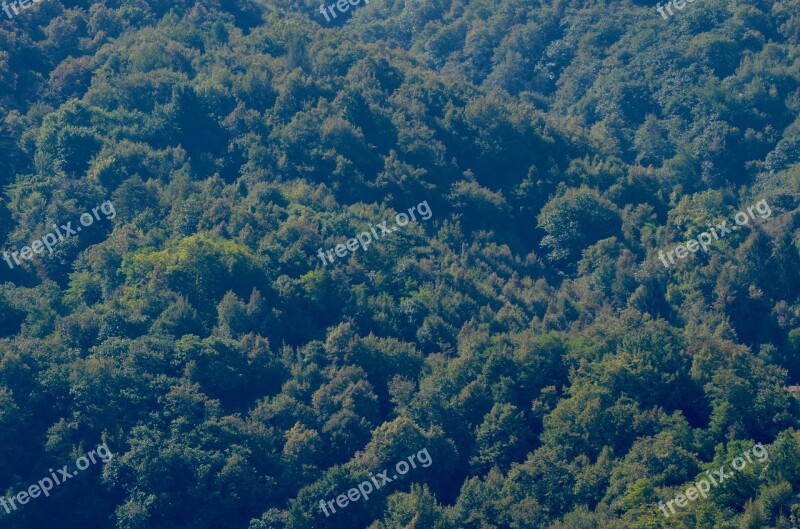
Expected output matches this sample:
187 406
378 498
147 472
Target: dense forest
542 348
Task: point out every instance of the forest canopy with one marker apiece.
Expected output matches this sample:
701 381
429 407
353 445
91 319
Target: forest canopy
526 339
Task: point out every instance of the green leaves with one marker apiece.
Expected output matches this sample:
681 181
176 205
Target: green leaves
575 220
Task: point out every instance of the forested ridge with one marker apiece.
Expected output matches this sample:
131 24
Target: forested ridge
527 335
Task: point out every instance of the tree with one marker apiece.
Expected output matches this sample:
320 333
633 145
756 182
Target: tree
501 439
575 220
